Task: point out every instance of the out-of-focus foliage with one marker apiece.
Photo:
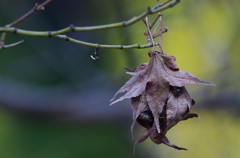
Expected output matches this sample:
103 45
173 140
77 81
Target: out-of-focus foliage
21 137
216 136
203 36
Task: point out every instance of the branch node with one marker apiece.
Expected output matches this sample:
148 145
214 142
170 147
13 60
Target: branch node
49 34
72 27
149 10
124 23
67 39
38 7
139 46
15 30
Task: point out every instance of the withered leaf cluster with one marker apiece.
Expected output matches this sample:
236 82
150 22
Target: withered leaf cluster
158 96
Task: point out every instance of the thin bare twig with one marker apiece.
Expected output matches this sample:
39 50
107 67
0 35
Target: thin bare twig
149 34
161 4
163 31
10 45
36 8
155 20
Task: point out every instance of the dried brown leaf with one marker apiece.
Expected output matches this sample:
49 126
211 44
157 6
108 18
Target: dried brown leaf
138 105
156 95
154 79
178 106
170 62
135 86
156 138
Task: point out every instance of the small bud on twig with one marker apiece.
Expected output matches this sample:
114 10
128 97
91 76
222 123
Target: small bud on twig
95 54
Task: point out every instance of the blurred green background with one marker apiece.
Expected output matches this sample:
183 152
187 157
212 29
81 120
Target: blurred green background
54 98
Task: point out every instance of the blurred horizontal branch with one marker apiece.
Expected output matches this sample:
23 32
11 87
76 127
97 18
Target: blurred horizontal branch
58 34
60 102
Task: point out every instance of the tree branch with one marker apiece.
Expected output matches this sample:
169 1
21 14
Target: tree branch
96 45
58 34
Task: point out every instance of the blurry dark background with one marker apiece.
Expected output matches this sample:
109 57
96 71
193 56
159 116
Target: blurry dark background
54 98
